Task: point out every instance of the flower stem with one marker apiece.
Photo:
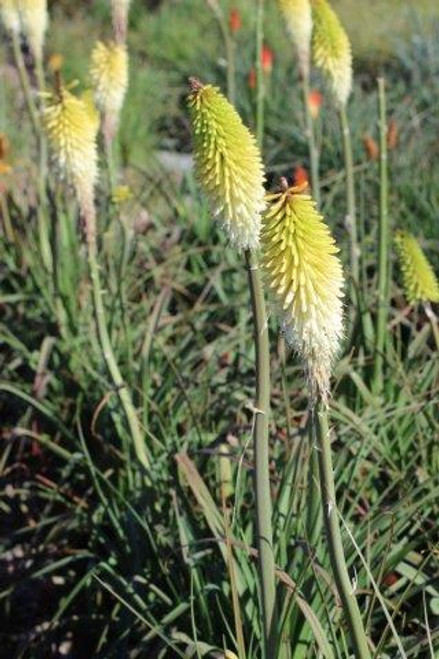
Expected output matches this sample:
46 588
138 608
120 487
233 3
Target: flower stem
333 532
350 197
107 349
229 46
42 215
312 146
433 322
24 81
313 511
6 218
383 260
261 450
260 82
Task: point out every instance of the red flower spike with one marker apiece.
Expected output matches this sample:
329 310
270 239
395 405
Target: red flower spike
301 177
267 59
371 147
392 135
315 100
235 20
252 79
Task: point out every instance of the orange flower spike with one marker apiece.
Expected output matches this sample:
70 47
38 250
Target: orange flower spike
235 20
267 59
301 177
371 147
55 62
4 146
252 78
5 168
315 100
392 135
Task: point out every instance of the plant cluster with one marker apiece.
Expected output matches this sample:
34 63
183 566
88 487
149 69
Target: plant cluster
172 486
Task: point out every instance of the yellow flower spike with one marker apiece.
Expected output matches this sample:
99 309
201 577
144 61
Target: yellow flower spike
305 275
332 49
298 18
10 16
420 282
121 194
34 21
87 97
109 75
71 132
228 164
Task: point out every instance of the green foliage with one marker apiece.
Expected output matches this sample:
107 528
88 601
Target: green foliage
96 559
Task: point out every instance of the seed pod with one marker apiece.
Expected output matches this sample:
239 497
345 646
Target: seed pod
332 50
305 275
228 164
34 21
10 16
298 19
109 75
71 130
420 282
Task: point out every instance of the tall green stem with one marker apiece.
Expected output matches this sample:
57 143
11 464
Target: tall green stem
313 510
107 350
383 258
260 82
6 218
312 145
433 322
24 81
261 450
43 228
333 532
350 197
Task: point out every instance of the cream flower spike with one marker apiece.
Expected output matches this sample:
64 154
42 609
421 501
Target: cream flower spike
10 16
228 164
34 21
332 49
305 275
109 75
298 18
420 282
71 128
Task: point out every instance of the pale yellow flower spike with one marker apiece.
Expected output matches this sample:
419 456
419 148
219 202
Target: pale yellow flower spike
332 49
34 21
298 19
109 75
420 282
228 164
10 16
305 275
71 130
